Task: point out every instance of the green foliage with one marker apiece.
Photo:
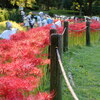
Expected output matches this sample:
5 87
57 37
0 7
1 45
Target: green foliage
51 13
96 10
64 12
23 3
3 14
35 7
10 14
14 15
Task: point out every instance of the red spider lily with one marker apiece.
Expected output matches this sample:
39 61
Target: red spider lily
95 26
77 28
19 36
14 85
19 58
41 96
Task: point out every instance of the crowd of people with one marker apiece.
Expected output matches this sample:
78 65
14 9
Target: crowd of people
32 20
29 21
35 20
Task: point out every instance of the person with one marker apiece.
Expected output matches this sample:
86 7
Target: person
8 25
49 20
29 15
58 23
22 14
39 22
44 22
41 14
32 21
26 22
9 31
21 7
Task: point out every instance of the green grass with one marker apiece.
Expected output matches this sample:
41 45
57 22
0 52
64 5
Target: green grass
84 64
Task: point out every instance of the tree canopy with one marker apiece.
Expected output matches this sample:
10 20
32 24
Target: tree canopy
84 6
23 3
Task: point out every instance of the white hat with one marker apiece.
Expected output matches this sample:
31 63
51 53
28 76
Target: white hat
8 25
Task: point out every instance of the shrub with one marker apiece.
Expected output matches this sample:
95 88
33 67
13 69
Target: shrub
14 15
11 14
96 10
64 12
35 7
51 13
3 14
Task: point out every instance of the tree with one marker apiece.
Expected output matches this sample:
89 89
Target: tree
24 3
5 4
86 6
68 4
90 6
79 5
12 3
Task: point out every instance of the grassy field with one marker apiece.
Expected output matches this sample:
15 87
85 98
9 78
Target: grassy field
84 65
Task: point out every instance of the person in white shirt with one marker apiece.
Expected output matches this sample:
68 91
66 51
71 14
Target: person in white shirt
22 14
29 16
10 31
26 22
39 22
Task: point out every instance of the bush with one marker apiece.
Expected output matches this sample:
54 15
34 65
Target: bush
51 13
64 12
3 14
11 14
35 7
2 18
15 15
96 10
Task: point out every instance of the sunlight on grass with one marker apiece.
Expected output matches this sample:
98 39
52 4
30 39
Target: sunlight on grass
83 63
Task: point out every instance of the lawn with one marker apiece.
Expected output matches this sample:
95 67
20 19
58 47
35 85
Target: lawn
84 65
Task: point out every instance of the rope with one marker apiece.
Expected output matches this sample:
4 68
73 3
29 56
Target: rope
95 29
64 31
65 77
78 30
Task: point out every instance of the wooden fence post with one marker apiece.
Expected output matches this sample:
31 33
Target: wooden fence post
55 72
65 37
88 33
51 32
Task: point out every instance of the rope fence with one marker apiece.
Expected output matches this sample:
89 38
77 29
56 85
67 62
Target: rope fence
64 31
95 29
65 76
78 30
58 45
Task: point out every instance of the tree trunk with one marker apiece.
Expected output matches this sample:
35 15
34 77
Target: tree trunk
25 5
48 4
80 13
90 7
62 4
